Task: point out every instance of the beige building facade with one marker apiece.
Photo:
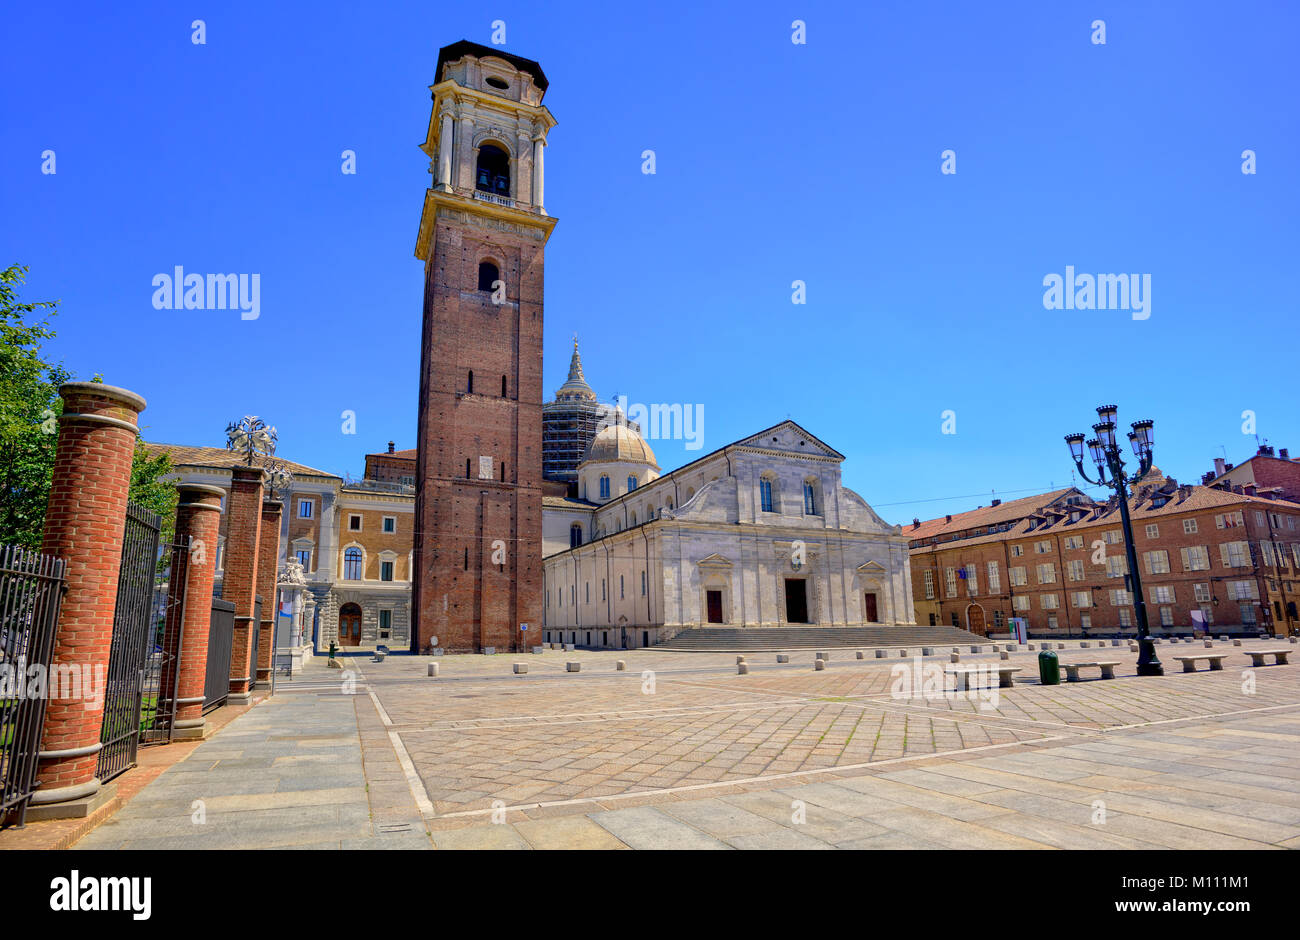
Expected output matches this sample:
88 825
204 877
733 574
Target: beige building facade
761 533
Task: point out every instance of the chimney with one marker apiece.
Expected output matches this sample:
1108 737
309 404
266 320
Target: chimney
1284 453
916 523
1228 467
390 446
1207 478
996 502
1220 468
948 518
1249 489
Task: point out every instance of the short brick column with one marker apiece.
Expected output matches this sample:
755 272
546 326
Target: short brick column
83 524
239 579
268 566
198 515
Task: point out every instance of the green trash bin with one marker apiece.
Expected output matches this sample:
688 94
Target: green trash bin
1049 668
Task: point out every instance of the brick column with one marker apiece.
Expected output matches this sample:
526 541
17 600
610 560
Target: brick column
198 515
239 580
83 524
268 563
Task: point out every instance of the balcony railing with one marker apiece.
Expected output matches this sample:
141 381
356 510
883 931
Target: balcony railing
494 198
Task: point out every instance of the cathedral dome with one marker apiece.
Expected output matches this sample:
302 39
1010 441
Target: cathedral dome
618 443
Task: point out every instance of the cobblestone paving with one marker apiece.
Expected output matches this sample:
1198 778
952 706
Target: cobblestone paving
679 750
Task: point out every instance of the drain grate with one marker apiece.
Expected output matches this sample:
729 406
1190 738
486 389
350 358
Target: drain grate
399 827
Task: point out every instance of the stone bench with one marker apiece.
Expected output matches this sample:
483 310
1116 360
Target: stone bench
1006 674
1072 669
1189 662
1257 656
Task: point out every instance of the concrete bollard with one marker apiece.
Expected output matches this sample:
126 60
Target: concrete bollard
825 656
975 649
1236 642
538 649
573 667
1209 644
954 657
1291 639
620 666
489 651
819 664
1084 645
1003 654
782 657
1132 647
881 654
739 660
1060 646
903 653
520 668
927 650
1031 647
569 647
1114 642
742 668
433 670
861 655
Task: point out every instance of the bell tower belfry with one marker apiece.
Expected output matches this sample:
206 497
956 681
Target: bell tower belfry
477 561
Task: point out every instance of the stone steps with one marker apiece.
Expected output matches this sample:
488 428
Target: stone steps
812 637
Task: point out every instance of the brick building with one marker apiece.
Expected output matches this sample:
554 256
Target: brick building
482 235
1058 560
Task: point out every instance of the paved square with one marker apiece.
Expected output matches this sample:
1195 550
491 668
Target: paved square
680 751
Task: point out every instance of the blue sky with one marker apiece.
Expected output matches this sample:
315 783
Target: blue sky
775 162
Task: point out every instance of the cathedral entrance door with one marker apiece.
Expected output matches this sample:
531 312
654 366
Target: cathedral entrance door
715 606
873 615
796 600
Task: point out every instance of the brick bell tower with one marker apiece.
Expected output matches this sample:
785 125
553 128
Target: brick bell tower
478 500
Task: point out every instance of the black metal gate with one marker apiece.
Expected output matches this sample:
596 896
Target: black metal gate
31 591
255 630
133 635
221 637
162 665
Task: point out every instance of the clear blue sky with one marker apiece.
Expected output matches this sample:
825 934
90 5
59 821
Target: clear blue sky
776 162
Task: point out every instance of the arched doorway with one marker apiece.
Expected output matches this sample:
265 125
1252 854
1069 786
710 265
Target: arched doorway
975 620
349 625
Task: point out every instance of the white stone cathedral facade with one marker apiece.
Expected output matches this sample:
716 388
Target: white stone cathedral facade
760 533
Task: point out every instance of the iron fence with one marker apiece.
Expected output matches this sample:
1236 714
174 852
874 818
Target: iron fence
221 635
31 591
162 663
133 635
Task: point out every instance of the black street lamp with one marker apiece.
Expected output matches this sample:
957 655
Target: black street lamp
1104 451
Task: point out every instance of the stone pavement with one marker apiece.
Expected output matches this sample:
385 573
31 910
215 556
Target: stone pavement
679 751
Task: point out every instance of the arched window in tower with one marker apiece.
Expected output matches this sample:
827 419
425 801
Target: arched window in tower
352 564
488 275
631 484
493 174
575 535
765 495
469 384
809 498
604 487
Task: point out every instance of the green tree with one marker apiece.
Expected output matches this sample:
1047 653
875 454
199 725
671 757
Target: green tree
29 409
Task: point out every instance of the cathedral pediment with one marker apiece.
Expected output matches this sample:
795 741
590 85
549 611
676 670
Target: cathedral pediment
871 567
788 438
714 561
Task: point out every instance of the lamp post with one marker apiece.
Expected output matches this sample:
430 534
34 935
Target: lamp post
1104 451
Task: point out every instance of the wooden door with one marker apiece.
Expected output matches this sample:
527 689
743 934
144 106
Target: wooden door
873 615
350 628
715 606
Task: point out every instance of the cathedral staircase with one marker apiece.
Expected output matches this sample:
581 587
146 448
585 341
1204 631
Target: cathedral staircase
725 639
